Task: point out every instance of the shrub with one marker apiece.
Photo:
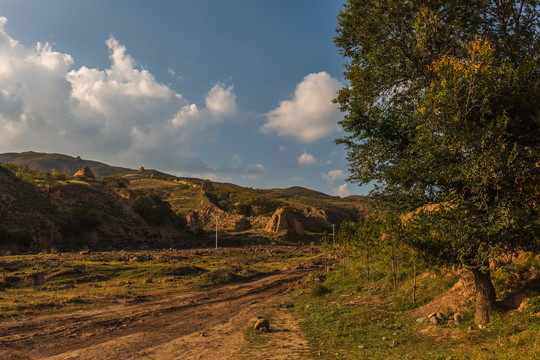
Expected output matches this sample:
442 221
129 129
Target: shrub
115 181
153 209
320 290
242 225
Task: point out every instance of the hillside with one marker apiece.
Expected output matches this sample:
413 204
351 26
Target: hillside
147 208
42 213
64 164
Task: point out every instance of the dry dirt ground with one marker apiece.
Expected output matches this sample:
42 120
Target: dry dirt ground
209 324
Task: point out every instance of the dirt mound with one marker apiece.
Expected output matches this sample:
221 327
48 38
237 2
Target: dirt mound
452 301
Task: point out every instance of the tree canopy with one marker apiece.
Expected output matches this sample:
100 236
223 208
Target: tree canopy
443 108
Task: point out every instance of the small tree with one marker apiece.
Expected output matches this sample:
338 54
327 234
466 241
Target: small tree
393 242
368 234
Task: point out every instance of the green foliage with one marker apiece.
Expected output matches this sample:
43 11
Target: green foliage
80 219
115 181
242 225
153 209
246 201
320 290
244 209
443 108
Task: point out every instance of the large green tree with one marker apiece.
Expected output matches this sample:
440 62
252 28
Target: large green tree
443 108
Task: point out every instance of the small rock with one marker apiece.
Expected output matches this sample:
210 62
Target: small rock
148 281
481 326
434 320
360 346
421 319
458 318
393 344
262 324
441 316
384 338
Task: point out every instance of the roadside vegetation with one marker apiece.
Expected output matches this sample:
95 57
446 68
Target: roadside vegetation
347 316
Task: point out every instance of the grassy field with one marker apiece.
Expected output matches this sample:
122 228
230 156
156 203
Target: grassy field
41 284
347 317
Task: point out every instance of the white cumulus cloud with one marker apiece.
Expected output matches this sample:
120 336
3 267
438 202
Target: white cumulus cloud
333 175
221 101
310 114
121 113
341 191
306 159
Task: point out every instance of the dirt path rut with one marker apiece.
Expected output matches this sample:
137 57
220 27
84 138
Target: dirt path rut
198 325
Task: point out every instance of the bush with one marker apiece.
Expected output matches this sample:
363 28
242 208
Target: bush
153 209
242 225
244 209
115 181
320 290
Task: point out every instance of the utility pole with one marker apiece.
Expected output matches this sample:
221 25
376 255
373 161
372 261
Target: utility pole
216 233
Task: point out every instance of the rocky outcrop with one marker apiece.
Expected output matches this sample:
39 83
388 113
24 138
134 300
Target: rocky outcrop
284 220
207 186
85 172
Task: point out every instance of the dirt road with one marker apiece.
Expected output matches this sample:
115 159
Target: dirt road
207 324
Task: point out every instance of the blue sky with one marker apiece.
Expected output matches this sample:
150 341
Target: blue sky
236 91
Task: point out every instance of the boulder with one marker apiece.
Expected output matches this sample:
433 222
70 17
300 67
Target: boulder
284 220
85 172
434 319
458 318
262 324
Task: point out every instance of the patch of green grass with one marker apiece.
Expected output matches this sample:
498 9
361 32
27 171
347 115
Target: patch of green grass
369 320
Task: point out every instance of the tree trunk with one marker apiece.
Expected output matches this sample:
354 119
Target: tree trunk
393 263
414 286
485 295
367 265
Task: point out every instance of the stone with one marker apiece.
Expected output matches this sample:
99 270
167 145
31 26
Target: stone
207 186
283 219
85 172
421 319
441 316
458 317
262 324
148 281
360 346
384 338
434 319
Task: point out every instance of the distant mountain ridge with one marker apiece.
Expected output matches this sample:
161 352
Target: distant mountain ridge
63 163
50 162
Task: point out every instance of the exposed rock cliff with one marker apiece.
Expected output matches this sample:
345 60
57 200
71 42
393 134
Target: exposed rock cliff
285 220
